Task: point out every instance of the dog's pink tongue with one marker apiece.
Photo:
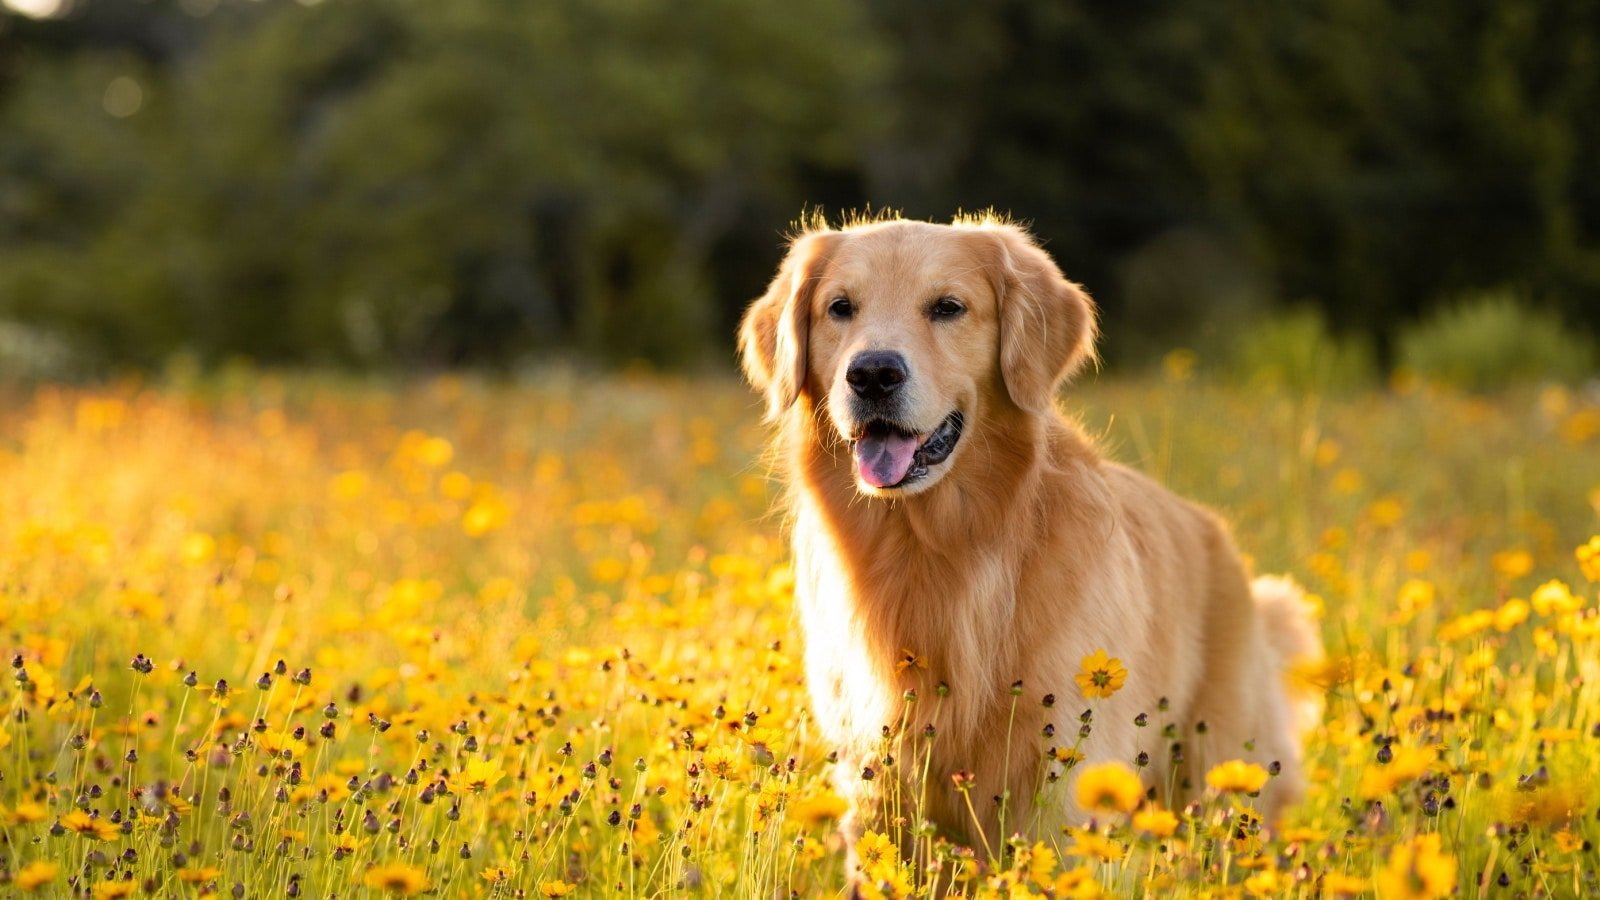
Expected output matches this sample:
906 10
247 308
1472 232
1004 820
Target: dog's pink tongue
884 459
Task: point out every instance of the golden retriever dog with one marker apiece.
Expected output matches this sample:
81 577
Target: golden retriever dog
960 548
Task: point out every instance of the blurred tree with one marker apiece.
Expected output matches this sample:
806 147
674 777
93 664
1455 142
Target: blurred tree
1383 157
1192 161
393 181
380 180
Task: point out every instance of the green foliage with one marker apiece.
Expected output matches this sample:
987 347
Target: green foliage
388 181
1492 340
1294 349
1377 157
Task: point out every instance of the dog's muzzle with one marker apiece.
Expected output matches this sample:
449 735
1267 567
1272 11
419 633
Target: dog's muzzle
890 456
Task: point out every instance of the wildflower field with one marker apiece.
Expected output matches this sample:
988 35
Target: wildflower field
306 637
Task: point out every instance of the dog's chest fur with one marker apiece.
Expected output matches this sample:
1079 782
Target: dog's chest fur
1014 573
878 628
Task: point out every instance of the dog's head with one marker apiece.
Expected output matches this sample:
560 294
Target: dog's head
910 335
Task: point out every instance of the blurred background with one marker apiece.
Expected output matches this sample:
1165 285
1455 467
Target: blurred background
1330 190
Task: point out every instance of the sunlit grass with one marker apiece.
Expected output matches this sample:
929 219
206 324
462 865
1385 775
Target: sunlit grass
299 637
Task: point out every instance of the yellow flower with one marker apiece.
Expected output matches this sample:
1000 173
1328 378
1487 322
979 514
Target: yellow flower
1386 511
877 854
35 875
771 800
348 485
1407 764
198 873
1041 862
1589 558
764 742
1513 563
894 884
396 878
281 745
1078 881
1511 613
1415 596
1338 884
198 547
433 452
812 850
1093 845
1466 625
482 774
1567 842
1102 676
1554 805
1347 481
1266 883
90 826
1418 870
909 660
1155 822
1554 597
1544 643
487 513
1237 777
1109 787
107 890
556 888
496 874
722 762
28 812
1068 756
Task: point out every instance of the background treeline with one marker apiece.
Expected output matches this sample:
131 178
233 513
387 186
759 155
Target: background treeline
399 182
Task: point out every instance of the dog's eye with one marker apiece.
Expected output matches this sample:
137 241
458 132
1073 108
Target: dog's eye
946 308
841 308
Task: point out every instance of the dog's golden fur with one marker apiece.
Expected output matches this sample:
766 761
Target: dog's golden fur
1017 556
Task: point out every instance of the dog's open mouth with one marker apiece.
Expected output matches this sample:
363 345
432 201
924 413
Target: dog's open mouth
888 456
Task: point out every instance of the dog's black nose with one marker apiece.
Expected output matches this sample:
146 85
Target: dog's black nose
876 374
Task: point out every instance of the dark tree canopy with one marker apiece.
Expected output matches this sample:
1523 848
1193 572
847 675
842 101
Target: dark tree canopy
387 182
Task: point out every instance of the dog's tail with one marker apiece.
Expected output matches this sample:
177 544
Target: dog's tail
1291 630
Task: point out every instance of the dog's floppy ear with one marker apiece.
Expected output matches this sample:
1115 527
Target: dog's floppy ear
776 328
1047 323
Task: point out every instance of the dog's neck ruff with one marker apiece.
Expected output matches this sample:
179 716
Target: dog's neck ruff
932 575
